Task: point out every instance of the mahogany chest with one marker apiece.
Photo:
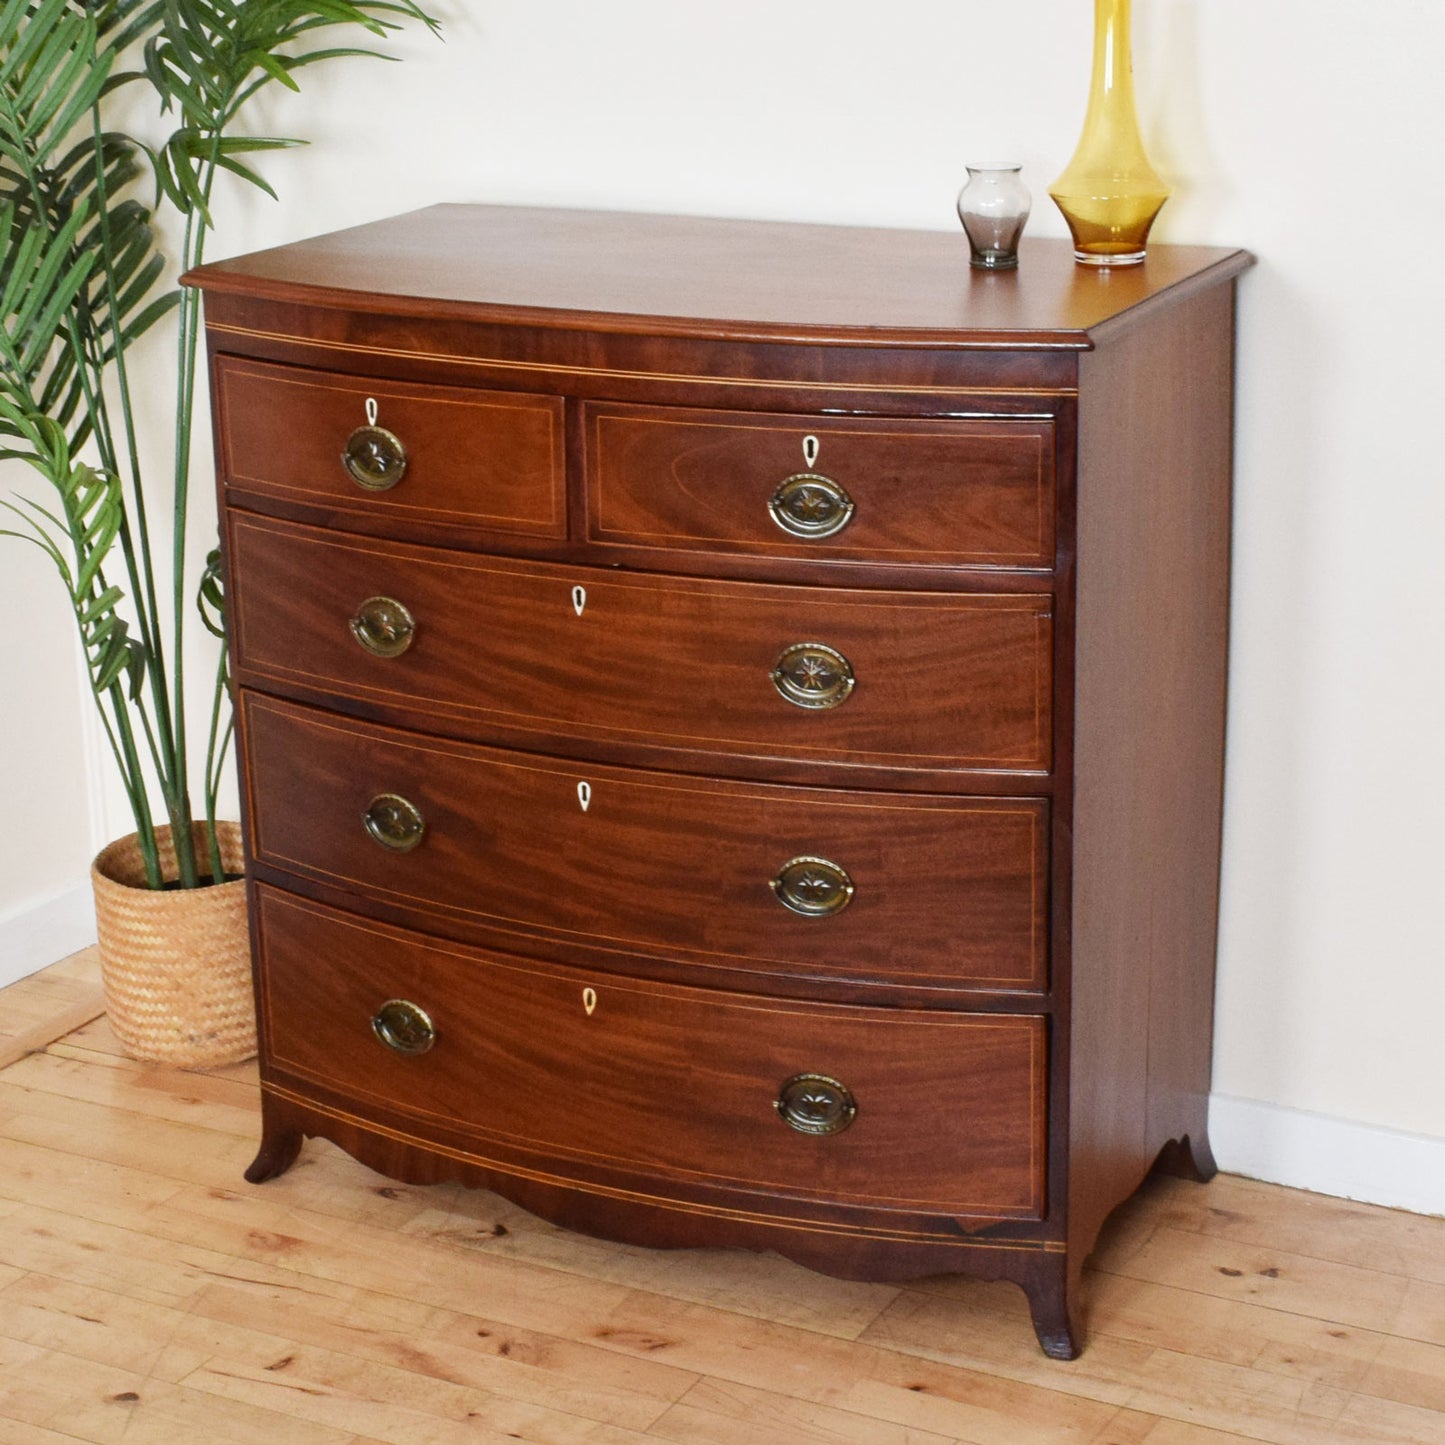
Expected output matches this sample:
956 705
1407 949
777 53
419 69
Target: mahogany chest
731 723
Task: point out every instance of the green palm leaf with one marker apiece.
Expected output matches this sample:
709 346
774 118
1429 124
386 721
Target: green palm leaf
210 57
79 540
52 72
83 279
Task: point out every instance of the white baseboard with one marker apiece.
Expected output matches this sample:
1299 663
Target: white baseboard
1328 1155
39 934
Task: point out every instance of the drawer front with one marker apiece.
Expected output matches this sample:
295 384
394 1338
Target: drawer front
478 460
886 679
925 493
946 1113
945 892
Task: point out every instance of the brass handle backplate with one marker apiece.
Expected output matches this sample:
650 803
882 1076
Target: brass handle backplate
404 1027
811 675
813 887
811 505
374 458
816 1104
383 626
394 823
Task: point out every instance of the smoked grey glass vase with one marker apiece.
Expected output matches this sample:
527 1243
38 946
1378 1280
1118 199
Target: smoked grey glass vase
993 207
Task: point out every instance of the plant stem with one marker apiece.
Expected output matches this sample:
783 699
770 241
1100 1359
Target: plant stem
134 779
215 759
187 348
141 567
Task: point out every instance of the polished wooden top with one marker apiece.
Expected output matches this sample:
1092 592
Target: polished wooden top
735 280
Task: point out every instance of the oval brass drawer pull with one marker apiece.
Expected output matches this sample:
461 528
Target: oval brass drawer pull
811 505
813 887
374 458
812 675
394 822
404 1027
383 626
816 1104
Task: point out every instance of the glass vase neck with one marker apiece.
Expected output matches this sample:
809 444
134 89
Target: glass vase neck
1112 105
1113 48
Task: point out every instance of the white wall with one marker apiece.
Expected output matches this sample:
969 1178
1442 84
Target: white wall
47 837
1301 130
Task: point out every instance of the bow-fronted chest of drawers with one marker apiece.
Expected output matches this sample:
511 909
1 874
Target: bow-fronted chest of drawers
731 723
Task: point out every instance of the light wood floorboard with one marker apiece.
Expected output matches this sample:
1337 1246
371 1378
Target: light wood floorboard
47 1005
147 1294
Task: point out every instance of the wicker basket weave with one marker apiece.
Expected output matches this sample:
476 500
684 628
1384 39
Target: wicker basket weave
176 964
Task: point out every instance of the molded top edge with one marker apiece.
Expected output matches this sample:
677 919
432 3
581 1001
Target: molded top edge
714 279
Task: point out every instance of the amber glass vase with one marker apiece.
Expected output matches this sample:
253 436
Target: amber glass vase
1109 193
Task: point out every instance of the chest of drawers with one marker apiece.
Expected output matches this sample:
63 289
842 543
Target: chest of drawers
731 724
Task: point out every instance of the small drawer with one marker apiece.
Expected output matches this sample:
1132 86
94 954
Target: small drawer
944 682
383 452
881 1108
900 493
812 883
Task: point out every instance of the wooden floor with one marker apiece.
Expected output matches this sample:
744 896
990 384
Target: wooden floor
148 1294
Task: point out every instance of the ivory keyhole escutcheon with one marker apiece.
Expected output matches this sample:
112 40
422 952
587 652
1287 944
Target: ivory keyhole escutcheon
584 795
372 411
579 599
589 1001
810 451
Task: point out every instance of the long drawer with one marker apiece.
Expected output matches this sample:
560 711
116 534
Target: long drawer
867 490
943 681
885 1108
444 459
806 882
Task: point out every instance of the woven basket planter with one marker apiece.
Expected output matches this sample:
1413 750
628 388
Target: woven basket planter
176 964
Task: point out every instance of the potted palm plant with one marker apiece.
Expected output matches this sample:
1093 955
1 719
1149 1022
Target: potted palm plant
83 280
